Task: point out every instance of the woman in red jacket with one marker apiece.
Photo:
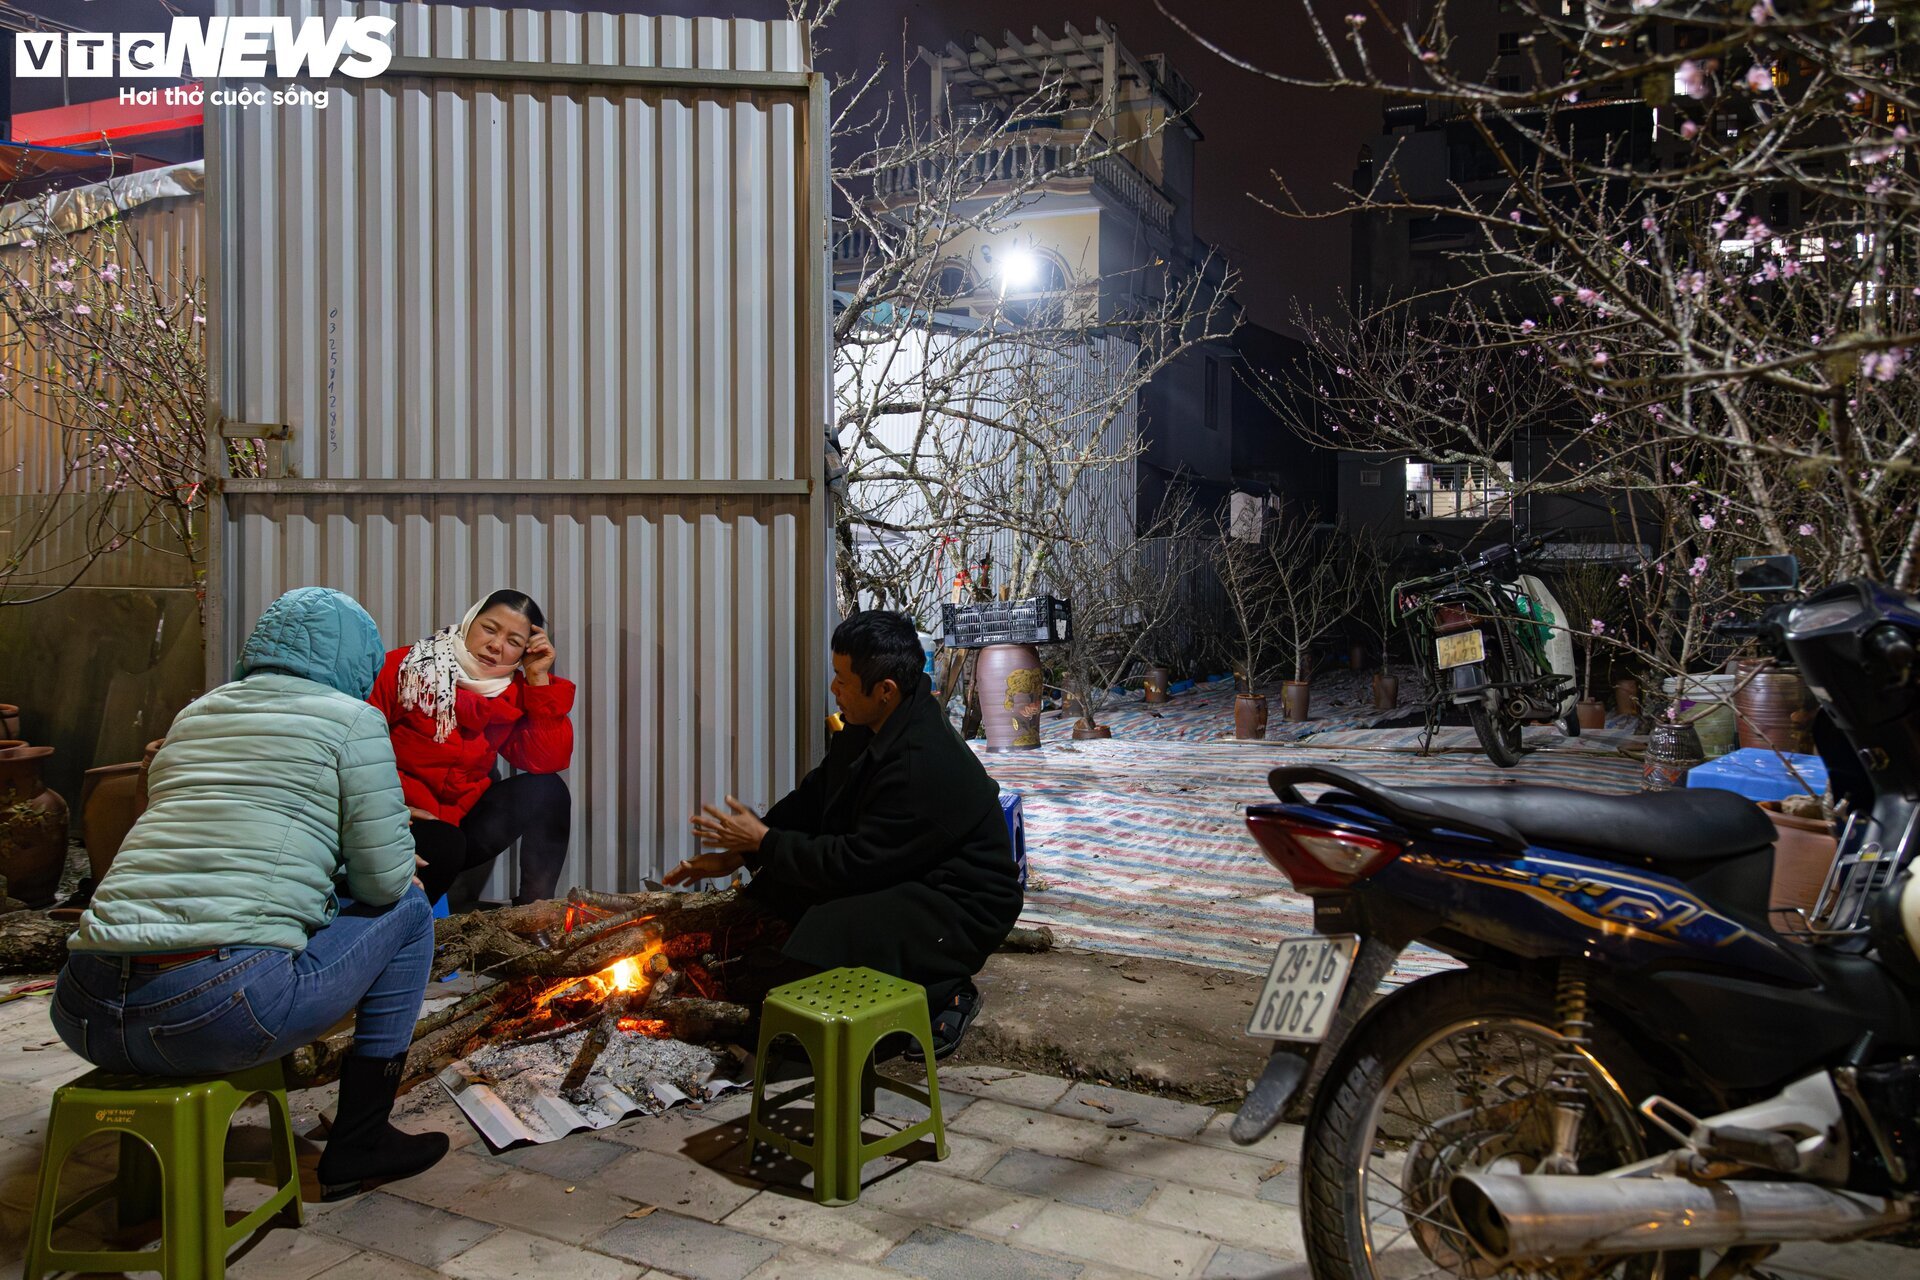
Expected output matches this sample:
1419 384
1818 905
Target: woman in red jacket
455 702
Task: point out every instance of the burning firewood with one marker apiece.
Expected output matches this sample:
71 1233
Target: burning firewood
614 963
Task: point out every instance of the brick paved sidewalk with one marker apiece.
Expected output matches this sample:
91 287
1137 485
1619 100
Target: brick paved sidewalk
1045 1180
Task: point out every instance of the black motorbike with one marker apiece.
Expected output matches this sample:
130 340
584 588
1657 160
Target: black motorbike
1639 1071
1488 636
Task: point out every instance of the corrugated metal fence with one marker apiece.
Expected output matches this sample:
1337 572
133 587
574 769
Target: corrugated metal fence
544 306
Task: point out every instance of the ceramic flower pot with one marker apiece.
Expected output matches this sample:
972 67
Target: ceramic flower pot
1592 713
1249 715
108 799
1803 850
1157 680
1386 692
1776 707
1295 696
33 827
1082 731
1672 750
1010 696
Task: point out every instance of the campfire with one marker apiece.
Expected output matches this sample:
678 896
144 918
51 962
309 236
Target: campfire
665 966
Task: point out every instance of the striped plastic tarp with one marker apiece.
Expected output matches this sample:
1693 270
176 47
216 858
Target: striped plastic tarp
1140 847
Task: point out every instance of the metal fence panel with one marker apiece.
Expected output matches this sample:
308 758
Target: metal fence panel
543 306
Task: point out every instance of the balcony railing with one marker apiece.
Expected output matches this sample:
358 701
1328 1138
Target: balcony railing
1022 158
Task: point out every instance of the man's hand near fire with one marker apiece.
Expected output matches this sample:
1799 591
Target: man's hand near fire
731 834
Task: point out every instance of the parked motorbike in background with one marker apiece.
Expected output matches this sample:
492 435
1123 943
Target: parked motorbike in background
1488 636
1637 1073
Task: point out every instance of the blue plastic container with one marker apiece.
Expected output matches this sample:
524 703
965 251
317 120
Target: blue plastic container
1758 774
1016 831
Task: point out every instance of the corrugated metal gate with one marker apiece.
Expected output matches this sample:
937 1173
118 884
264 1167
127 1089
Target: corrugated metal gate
545 306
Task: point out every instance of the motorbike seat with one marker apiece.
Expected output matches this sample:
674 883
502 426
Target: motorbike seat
1656 828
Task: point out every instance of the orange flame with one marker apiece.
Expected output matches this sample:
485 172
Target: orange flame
644 1026
624 975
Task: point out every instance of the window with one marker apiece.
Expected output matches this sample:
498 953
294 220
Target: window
1458 490
1509 43
1507 84
953 281
1212 411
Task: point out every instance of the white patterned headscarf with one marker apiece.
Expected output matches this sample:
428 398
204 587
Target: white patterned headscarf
438 667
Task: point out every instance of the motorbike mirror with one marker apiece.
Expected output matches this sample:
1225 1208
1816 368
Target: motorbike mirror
1427 542
1762 575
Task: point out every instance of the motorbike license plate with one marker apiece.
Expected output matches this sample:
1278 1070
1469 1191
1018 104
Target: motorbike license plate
1464 649
1303 988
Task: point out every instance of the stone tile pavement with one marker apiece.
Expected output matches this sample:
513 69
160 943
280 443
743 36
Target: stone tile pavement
1045 1180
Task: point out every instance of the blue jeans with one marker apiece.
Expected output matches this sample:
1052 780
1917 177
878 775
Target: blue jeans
243 1006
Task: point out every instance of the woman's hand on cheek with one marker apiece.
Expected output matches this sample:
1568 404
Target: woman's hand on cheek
537 661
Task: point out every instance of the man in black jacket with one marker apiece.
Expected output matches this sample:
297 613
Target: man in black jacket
893 854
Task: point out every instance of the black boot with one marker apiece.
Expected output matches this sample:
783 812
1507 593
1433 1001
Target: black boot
362 1147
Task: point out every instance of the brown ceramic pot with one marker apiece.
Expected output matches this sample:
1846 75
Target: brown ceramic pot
1357 657
1592 713
1249 715
1386 692
33 828
1157 680
1803 850
1295 696
9 720
1776 708
1626 695
1083 731
1010 696
108 795
153 749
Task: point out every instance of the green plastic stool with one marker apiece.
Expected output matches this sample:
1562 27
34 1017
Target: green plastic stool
838 1017
184 1123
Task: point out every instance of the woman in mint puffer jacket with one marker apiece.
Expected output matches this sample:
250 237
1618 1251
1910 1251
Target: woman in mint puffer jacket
268 890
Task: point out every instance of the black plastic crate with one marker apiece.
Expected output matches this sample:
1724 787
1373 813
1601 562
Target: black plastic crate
1041 620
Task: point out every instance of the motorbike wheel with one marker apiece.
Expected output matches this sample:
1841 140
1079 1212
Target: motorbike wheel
1450 1074
1499 735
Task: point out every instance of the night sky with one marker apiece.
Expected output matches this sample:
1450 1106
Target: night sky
1252 126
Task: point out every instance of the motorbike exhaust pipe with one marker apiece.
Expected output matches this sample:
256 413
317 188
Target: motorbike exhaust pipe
1515 1219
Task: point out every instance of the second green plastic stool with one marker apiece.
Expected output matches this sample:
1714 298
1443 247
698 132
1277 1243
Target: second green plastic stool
185 1123
838 1017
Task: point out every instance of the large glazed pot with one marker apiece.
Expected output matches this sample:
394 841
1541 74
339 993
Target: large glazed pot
1672 751
9 720
33 828
1010 693
1249 715
1157 680
1776 707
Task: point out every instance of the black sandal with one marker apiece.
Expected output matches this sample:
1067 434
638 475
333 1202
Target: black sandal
950 1024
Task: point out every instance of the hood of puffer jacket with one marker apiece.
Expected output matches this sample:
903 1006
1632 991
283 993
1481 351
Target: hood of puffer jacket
318 634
